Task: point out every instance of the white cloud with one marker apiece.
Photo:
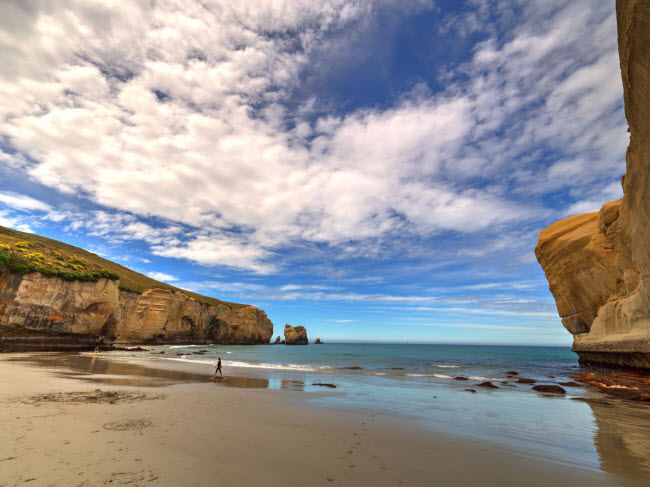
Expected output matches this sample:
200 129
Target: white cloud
22 202
161 276
17 223
180 111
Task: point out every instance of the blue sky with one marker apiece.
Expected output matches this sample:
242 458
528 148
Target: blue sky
375 171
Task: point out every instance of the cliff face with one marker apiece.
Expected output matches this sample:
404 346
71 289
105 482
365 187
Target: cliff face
38 312
598 264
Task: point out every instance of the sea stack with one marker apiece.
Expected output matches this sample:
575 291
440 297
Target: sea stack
295 336
598 264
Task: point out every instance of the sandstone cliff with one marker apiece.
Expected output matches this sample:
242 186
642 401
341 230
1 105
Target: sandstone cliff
598 264
38 312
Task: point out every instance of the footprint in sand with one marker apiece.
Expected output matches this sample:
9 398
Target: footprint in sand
133 424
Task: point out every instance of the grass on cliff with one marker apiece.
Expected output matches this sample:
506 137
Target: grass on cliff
25 252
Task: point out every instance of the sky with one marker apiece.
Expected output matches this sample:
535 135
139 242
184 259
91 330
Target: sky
372 170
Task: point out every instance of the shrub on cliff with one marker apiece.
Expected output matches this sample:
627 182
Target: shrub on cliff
36 262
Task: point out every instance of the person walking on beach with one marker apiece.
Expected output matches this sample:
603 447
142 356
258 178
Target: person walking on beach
217 368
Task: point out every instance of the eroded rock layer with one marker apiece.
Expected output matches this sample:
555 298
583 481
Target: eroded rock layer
598 264
38 312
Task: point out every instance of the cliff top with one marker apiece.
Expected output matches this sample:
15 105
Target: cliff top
26 252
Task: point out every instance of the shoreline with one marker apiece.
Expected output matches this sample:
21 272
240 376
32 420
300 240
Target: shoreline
237 431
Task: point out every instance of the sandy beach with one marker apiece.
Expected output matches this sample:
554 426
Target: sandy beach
59 428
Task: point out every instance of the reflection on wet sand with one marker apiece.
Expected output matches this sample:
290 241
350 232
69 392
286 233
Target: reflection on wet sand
622 438
244 382
293 385
129 374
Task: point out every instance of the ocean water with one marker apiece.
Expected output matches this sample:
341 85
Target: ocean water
417 383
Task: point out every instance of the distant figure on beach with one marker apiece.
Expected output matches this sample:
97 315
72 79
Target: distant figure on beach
217 368
92 362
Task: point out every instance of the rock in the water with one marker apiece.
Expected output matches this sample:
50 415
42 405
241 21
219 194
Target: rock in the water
570 384
487 385
322 384
354 367
295 335
318 342
278 340
512 372
549 389
598 264
461 377
524 380
473 391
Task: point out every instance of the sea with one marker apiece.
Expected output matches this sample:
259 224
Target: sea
419 383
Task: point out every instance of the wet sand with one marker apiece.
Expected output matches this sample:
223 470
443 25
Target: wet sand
163 427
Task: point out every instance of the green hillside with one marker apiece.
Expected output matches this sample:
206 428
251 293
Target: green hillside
25 252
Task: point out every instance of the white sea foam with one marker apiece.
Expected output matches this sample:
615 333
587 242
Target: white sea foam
185 346
228 363
448 366
438 376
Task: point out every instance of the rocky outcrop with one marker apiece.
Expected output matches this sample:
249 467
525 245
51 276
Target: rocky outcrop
295 336
318 342
598 264
37 310
277 340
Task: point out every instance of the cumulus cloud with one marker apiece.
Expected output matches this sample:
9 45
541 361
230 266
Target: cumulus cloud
161 276
185 112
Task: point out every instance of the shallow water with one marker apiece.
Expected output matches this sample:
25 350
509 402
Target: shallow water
417 382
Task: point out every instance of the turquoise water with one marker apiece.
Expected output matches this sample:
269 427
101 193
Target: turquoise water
435 361
417 383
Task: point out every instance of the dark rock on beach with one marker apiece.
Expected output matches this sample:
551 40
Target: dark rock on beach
511 372
624 384
354 367
322 384
127 349
460 377
570 384
549 389
487 385
473 391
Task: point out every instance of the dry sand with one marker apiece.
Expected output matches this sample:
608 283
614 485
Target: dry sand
58 431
